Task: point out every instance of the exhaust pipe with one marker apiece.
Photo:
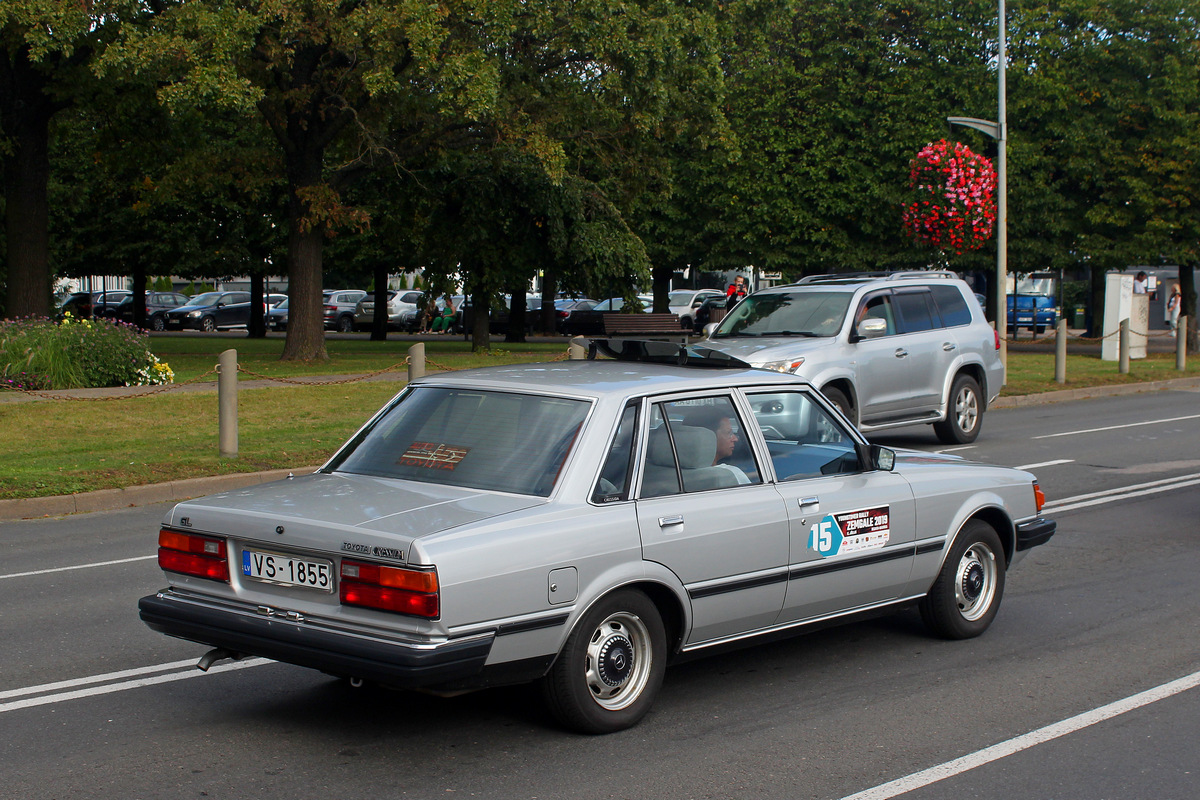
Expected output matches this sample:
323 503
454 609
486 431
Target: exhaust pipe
215 655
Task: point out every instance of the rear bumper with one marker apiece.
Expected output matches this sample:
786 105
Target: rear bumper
1034 532
316 643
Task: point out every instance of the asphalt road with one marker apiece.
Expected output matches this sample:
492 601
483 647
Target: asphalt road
1096 630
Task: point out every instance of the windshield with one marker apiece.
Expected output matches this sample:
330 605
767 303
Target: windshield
206 299
805 313
463 437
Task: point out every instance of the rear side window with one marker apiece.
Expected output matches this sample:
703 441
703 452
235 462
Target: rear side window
952 306
914 310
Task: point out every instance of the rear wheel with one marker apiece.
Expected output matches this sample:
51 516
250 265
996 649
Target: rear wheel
964 416
610 669
966 595
345 324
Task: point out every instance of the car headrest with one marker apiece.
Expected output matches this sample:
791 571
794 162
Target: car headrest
697 447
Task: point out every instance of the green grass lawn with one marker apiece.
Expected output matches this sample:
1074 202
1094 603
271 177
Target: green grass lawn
61 447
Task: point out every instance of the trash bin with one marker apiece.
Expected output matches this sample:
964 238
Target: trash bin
1080 318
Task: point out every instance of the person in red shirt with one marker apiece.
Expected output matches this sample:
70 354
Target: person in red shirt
736 290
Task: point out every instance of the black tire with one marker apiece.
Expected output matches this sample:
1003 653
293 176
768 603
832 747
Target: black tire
964 414
345 325
158 323
208 324
610 669
967 592
839 399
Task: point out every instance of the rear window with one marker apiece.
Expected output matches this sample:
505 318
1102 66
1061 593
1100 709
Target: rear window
501 441
952 306
914 310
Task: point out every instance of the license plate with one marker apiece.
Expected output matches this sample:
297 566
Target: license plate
288 570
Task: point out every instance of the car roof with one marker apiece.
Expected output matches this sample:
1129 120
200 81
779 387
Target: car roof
853 281
605 378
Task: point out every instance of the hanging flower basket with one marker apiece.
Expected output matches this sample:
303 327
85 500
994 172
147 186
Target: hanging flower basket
954 191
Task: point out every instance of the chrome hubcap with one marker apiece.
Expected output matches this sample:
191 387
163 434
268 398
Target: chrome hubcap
975 585
618 660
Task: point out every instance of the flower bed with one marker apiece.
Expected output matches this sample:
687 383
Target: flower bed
38 353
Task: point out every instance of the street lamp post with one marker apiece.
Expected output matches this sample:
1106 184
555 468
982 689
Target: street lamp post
999 131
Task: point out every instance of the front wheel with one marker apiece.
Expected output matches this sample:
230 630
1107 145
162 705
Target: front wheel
208 324
839 399
964 416
610 669
158 323
966 594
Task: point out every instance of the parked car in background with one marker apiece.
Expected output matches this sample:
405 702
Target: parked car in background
274 299
104 304
583 524
588 322
685 303
277 316
888 350
564 307
86 305
1036 312
402 308
157 306
339 308
211 311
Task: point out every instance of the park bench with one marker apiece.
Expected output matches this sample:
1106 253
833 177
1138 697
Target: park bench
614 324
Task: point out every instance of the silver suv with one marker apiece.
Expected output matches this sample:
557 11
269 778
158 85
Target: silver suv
887 350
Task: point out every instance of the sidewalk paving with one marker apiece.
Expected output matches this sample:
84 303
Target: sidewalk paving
174 491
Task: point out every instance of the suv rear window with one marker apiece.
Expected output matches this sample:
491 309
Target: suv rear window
951 305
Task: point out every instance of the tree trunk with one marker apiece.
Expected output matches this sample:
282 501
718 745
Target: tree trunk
549 314
1187 288
518 305
25 114
480 333
139 295
661 281
256 328
306 325
379 320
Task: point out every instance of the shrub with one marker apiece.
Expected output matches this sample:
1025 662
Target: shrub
37 353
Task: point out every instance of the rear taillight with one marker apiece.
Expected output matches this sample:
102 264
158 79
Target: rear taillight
1039 497
198 556
403 591
997 334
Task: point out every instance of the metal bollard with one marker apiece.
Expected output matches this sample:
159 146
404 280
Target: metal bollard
1181 344
416 361
577 349
227 420
1060 353
1123 354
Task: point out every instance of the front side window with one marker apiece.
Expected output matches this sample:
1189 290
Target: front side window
809 313
804 440
696 445
474 439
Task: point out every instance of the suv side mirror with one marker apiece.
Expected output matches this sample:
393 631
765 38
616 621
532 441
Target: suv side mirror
882 458
871 328
709 329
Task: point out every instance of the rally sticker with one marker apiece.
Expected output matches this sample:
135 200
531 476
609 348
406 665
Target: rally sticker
432 456
850 532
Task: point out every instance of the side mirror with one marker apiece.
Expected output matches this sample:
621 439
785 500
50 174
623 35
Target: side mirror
883 458
871 328
709 329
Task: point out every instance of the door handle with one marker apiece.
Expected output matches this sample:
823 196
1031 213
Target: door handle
901 352
810 502
666 522
949 346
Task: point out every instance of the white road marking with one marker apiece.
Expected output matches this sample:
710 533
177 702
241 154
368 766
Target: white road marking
1118 427
979 758
134 684
956 449
1122 493
78 566
1047 463
109 676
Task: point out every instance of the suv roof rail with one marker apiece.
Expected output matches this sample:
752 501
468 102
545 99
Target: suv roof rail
834 277
923 273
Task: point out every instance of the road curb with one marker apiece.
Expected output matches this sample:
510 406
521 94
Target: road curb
174 491
112 499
